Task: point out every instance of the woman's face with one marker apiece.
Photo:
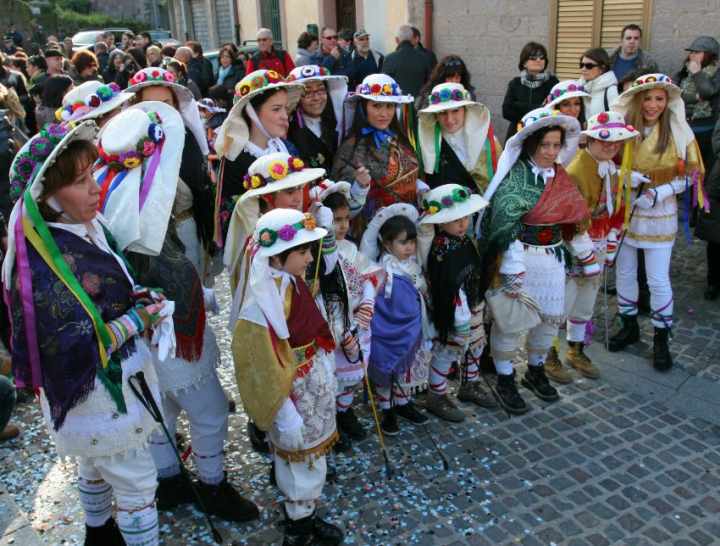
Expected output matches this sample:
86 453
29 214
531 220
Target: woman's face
536 63
654 103
292 198
696 56
571 107
154 57
453 78
589 69
603 151
297 262
79 200
548 149
314 99
274 116
313 47
452 120
158 93
118 62
225 59
90 71
380 114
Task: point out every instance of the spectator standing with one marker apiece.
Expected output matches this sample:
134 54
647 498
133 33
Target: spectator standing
201 67
331 55
8 46
67 47
143 40
708 226
127 41
417 44
307 46
14 80
345 40
365 61
37 70
183 74
180 72
598 80
408 66
450 69
231 69
108 38
53 92
528 90
154 56
127 68
84 67
101 52
54 60
629 56
269 58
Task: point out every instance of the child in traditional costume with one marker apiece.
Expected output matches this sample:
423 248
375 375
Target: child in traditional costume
140 216
284 365
457 139
78 329
361 277
669 156
401 335
453 270
536 217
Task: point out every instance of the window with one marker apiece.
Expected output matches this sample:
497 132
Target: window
577 25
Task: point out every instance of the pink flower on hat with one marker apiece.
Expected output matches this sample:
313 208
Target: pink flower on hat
139 78
169 77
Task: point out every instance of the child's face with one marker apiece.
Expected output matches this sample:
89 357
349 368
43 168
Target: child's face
291 198
341 219
457 228
401 247
297 262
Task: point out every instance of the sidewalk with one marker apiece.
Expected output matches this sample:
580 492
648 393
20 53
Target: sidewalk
14 526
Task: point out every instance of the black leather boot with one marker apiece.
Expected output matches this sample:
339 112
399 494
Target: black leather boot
662 361
106 535
509 396
174 491
327 533
628 334
223 501
299 532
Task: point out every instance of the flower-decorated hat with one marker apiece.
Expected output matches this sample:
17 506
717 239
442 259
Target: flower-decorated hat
282 229
448 203
609 127
563 91
39 153
370 243
532 122
448 96
336 85
322 190
140 154
380 88
91 100
643 83
234 133
274 172
210 105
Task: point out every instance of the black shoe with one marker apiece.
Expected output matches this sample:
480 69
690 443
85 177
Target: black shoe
106 535
344 443
628 334
509 396
644 302
299 532
712 292
348 423
327 533
174 491
536 380
257 438
389 423
662 361
223 501
410 412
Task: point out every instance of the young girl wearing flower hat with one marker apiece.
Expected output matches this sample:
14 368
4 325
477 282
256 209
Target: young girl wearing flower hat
457 139
377 152
453 271
535 218
401 333
63 269
283 351
669 156
595 174
567 97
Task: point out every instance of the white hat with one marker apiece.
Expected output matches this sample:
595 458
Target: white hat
234 133
532 122
322 190
448 96
140 154
369 244
91 100
563 91
609 127
336 85
448 203
380 88
187 105
208 104
274 172
282 229
681 131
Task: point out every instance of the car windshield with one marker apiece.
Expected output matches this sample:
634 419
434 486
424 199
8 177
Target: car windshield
87 37
160 34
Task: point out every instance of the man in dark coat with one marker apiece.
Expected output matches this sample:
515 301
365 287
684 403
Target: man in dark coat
408 66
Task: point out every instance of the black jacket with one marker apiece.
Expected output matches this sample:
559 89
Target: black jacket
314 151
237 71
450 171
200 70
519 100
409 67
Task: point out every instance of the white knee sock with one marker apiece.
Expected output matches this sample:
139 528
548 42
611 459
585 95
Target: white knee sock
96 500
535 359
210 468
439 370
139 527
504 367
344 400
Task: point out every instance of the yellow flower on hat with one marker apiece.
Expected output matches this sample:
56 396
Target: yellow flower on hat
278 170
255 181
309 222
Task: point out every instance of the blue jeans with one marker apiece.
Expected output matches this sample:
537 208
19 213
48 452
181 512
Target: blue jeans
7 401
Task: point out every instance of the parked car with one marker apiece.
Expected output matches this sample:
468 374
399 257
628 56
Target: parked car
163 37
87 38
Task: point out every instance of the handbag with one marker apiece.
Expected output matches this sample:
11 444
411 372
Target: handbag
513 315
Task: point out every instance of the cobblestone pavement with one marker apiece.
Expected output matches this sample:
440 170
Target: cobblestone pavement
600 467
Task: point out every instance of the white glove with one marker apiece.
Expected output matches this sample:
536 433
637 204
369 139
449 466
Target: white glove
211 303
637 178
646 200
323 216
164 333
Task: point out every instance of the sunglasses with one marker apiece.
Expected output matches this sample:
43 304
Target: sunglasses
330 37
588 66
454 63
536 58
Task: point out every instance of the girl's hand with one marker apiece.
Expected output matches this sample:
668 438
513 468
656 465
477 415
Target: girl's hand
362 176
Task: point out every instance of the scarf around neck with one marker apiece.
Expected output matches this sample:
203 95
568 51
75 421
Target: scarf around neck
533 81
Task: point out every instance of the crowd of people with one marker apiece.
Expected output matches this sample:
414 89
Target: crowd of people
379 237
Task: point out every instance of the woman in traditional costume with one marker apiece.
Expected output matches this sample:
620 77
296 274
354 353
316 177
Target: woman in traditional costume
283 351
669 156
457 140
536 220
78 332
